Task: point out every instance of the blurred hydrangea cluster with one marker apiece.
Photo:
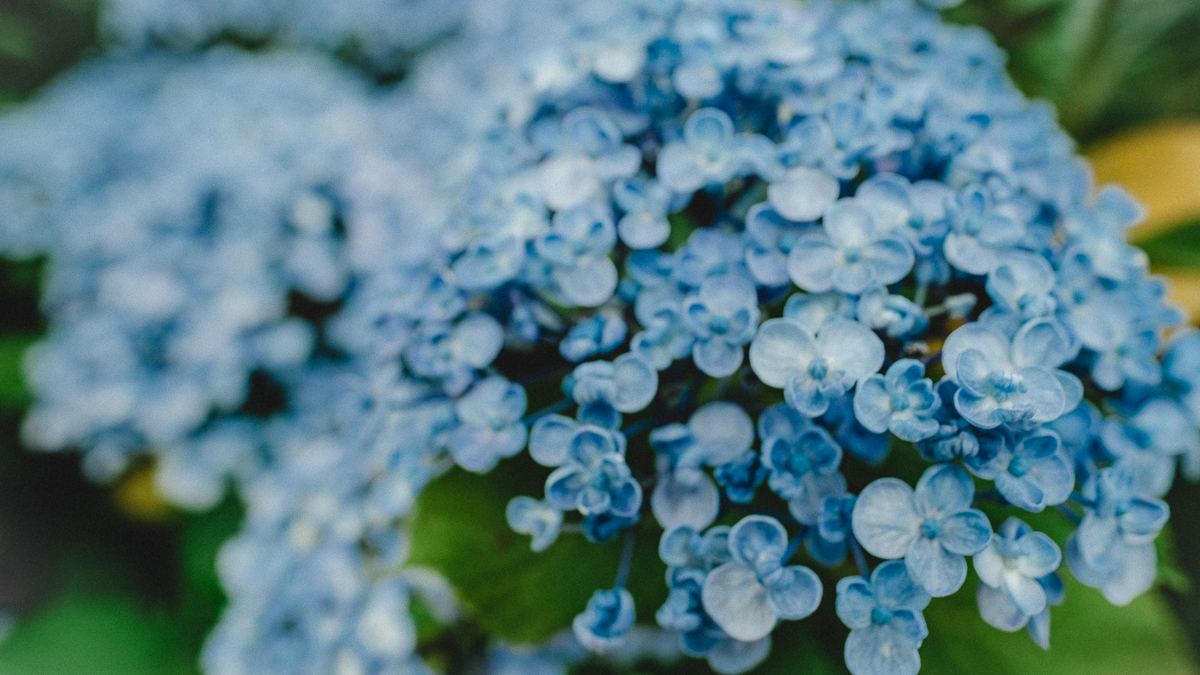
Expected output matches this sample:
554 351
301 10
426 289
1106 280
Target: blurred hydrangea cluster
697 266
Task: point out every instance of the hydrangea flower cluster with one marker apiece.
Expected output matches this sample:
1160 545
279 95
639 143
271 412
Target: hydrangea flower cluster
685 262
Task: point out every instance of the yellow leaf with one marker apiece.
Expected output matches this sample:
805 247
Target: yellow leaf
1160 165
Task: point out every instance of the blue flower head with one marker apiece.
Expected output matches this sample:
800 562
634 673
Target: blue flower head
816 369
901 402
885 621
606 621
748 595
931 527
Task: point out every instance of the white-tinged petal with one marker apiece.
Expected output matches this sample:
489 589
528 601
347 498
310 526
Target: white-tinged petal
884 520
738 603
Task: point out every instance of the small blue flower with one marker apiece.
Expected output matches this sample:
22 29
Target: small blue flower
1013 562
591 153
741 477
685 547
538 518
453 353
814 370
902 402
1028 469
603 389
813 310
885 621
666 336
489 424
790 459
710 152
599 528
709 252
723 316
606 621
851 255
595 478
1021 284
600 334
827 542
1113 549
932 528
955 436
1149 442
979 231
895 314
577 248
747 596
646 204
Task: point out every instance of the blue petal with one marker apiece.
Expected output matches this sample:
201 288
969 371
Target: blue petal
943 490
738 603
756 538
881 650
730 657
636 382
794 591
781 350
999 610
550 439
939 571
804 194
884 519
895 588
966 532
855 601
692 502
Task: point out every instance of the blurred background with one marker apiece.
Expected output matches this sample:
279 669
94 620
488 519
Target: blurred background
110 580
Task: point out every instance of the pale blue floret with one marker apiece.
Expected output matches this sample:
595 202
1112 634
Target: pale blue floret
851 255
885 621
932 528
606 621
1011 570
710 152
646 204
1113 549
684 495
709 252
453 354
979 232
1028 469
791 458
604 389
769 238
1021 284
685 547
489 424
666 337
748 595
595 479
859 441
577 249
541 519
723 316
894 314
1004 380
600 334
1150 442
902 401
955 436
915 210
741 477
814 370
590 154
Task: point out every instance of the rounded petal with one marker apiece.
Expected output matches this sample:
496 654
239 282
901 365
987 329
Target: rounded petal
999 610
781 350
895 587
852 347
884 519
717 358
973 336
692 503
855 600
756 538
636 382
966 532
550 439
944 489
794 591
803 195
738 603
881 650
724 429
939 571
812 263
731 657
1027 593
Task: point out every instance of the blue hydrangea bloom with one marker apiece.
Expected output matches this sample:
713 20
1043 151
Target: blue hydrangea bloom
814 370
931 527
540 519
851 255
1011 568
490 426
606 621
595 478
902 401
885 621
1029 469
723 316
748 595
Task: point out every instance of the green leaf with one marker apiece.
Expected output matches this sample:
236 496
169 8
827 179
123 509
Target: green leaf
13 393
1176 247
99 635
517 595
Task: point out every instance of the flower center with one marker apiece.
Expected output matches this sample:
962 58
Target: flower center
931 528
899 402
852 254
881 615
1019 466
818 368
